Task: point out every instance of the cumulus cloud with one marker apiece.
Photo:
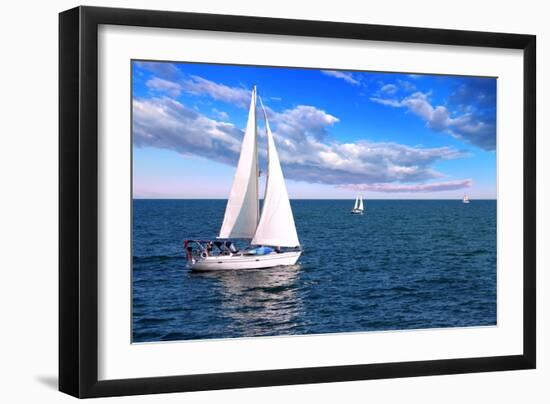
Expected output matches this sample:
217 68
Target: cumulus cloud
301 133
389 88
302 120
346 76
362 162
429 187
406 86
168 71
172 81
300 136
167 124
469 126
220 92
170 87
224 116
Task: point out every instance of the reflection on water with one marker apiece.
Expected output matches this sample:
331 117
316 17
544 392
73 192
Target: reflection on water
259 302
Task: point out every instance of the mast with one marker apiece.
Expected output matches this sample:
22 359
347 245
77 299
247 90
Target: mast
266 134
255 96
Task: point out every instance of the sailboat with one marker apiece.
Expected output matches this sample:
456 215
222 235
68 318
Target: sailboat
272 232
358 207
465 199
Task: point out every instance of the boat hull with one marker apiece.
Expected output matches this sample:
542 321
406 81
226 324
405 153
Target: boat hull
233 262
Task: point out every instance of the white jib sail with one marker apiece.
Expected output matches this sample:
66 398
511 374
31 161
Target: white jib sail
360 207
242 210
356 206
276 227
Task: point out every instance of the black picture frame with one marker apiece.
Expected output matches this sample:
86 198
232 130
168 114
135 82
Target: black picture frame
78 201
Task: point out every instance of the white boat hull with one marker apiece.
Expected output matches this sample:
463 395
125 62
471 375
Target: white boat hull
232 262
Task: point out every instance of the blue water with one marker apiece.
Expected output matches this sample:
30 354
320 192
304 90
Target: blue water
403 265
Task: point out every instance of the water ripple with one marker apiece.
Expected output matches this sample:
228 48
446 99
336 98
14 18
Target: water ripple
402 265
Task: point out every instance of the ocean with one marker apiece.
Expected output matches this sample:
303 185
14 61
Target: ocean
404 264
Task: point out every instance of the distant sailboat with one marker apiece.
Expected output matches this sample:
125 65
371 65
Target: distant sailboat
465 199
358 207
274 240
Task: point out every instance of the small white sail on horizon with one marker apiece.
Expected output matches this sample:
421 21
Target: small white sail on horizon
358 207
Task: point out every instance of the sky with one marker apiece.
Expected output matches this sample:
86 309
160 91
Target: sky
338 133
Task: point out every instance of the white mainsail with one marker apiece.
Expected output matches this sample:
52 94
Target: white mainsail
356 206
360 207
242 210
276 226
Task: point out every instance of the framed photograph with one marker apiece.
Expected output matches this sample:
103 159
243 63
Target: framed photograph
251 201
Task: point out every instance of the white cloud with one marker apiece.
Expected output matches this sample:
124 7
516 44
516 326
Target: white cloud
302 120
406 86
167 124
168 71
466 127
197 85
224 116
412 188
346 76
220 92
389 89
362 162
170 87
299 133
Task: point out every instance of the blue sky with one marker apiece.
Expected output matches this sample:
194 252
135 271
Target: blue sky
338 133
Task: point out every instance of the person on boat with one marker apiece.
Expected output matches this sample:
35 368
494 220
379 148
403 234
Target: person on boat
231 247
209 248
278 249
